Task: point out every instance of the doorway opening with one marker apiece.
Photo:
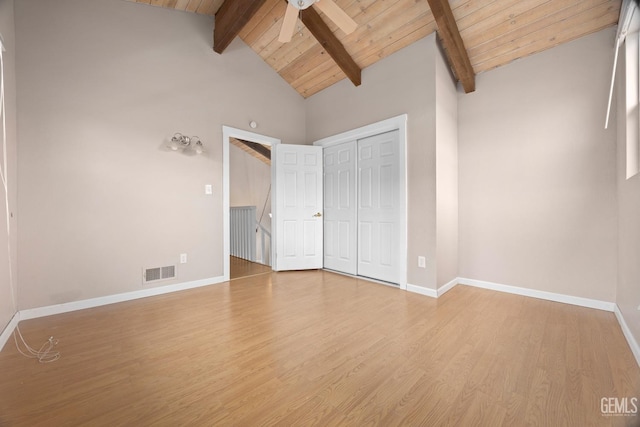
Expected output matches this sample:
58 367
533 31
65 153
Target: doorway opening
247 206
250 208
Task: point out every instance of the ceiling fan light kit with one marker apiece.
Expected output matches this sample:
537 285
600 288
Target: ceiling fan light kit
301 4
328 7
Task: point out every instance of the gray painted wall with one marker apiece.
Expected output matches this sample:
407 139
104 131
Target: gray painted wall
8 288
401 83
628 286
103 84
538 173
446 174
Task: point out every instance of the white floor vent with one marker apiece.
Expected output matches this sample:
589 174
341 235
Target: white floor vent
157 274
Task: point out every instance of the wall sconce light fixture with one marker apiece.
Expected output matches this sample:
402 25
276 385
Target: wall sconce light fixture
186 143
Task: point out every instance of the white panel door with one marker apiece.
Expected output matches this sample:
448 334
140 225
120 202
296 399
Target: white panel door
298 207
378 207
340 211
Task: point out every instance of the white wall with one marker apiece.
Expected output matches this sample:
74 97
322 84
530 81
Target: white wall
538 173
103 84
401 83
628 288
446 173
7 306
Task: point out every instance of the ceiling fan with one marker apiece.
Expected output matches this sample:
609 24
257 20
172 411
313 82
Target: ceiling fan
328 7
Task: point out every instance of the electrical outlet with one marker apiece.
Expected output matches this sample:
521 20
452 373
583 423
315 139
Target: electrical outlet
422 262
208 189
183 258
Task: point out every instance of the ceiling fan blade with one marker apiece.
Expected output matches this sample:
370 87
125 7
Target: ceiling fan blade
337 15
288 24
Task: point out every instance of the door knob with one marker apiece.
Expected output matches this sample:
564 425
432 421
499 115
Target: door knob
318 215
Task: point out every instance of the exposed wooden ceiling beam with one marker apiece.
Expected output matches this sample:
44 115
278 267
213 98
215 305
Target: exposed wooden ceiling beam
258 148
448 30
232 16
316 26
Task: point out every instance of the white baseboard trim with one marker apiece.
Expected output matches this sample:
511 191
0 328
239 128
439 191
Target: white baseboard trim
33 313
446 287
549 296
8 330
433 293
422 291
635 348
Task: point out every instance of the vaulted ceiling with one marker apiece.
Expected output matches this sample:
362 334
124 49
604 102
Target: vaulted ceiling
494 32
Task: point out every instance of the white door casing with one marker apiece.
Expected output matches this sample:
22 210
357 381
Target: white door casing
298 199
340 210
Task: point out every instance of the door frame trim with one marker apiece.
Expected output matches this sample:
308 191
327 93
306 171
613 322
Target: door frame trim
398 123
228 133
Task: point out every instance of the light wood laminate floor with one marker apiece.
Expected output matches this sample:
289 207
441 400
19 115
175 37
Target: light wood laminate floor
317 348
242 268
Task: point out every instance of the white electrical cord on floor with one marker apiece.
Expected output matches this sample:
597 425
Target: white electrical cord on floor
46 353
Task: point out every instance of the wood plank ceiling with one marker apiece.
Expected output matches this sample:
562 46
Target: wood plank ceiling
494 32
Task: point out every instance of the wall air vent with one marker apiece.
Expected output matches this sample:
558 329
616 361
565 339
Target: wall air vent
157 274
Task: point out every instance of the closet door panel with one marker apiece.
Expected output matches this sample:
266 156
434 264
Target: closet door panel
378 212
340 208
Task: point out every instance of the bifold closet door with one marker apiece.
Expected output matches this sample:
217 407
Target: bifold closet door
378 212
340 210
